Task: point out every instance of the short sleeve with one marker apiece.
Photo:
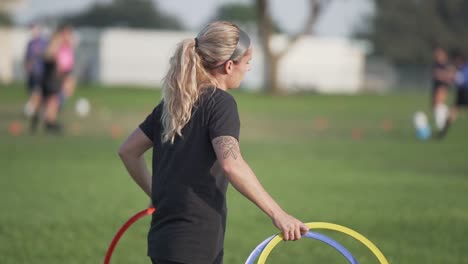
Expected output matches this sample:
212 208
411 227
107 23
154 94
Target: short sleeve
224 119
151 123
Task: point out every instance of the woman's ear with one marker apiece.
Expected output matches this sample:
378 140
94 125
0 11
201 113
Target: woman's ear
228 66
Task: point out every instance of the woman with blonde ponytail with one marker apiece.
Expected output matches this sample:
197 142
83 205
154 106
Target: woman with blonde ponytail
194 133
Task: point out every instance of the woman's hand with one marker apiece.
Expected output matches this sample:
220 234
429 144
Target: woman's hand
290 227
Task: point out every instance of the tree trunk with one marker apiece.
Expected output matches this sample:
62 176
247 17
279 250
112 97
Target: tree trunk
271 59
271 75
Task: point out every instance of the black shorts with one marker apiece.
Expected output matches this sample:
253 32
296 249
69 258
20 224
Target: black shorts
436 87
218 260
50 82
154 261
34 82
461 99
439 84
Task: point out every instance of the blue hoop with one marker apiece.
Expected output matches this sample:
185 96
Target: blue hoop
314 235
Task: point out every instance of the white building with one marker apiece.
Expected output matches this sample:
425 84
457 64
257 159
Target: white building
128 56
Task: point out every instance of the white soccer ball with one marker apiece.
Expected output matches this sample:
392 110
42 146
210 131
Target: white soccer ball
421 124
420 120
82 107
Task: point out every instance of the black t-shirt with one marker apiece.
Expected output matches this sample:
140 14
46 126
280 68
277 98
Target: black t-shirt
189 186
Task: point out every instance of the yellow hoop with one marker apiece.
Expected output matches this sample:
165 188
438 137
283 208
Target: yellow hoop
321 225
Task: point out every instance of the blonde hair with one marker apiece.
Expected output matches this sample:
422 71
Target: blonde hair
188 75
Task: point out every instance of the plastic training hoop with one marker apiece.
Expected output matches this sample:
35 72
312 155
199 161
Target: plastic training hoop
266 246
322 225
314 235
122 230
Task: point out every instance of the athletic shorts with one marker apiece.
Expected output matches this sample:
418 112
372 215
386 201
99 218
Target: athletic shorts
461 99
34 82
154 261
435 88
50 82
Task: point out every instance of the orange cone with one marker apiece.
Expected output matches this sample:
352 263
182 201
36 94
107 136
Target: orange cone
387 125
321 124
116 132
356 134
15 128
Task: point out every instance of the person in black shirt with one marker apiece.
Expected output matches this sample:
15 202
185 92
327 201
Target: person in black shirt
460 82
194 136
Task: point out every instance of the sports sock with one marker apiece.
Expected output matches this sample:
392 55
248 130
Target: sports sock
441 112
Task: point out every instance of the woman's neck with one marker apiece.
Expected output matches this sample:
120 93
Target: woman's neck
220 81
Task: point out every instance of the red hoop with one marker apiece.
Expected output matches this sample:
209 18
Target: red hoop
122 230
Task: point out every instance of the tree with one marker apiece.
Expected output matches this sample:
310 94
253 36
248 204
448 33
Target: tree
237 13
7 6
244 15
128 13
405 31
265 25
5 19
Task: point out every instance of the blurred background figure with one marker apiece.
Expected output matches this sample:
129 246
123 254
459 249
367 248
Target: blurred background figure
57 66
33 67
65 64
461 89
461 83
441 80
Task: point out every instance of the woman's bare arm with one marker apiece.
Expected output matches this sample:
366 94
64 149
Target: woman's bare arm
244 180
131 152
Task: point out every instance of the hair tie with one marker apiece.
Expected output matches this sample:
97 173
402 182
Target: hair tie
196 42
242 45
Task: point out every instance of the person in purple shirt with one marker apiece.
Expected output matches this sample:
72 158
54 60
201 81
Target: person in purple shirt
34 67
461 81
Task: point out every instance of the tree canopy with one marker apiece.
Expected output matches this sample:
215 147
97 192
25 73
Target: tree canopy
244 15
405 31
5 19
126 13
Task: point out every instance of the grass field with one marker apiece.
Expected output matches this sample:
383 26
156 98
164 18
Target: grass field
350 160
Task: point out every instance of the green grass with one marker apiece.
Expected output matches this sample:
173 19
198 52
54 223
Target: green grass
63 198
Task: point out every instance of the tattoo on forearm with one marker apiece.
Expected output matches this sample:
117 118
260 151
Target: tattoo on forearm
228 146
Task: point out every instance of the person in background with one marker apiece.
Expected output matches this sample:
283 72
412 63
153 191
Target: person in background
194 133
442 76
50 86
461 90
65 65
461 83
34 67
